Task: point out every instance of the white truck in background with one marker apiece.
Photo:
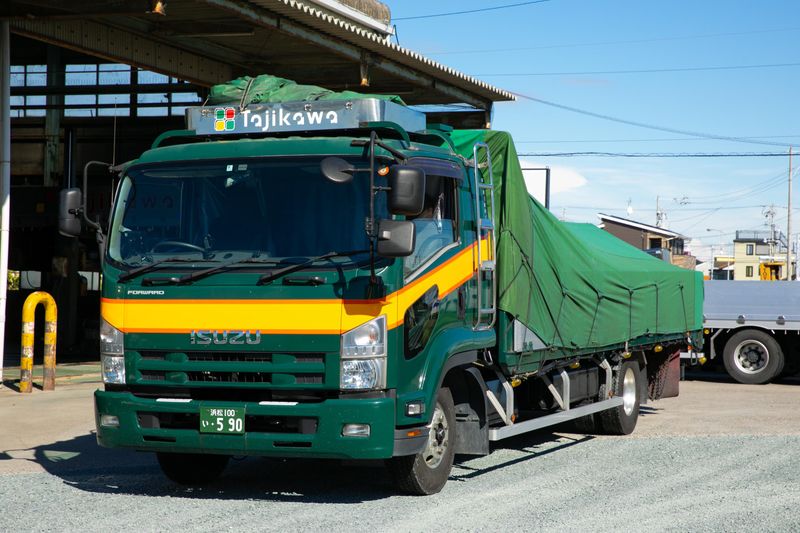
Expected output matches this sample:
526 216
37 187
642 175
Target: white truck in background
754 327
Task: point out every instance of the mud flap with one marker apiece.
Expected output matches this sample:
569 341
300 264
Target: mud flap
663 374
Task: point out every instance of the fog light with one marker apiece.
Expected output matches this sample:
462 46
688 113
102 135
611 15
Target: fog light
109 421
415 408
355 430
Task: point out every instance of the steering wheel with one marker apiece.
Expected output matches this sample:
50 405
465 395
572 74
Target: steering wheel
177 243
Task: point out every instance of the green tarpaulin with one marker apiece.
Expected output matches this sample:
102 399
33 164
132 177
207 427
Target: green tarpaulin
575 285
271 89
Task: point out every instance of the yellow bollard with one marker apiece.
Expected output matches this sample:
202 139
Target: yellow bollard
26 362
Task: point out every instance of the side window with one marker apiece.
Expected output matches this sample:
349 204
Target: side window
749 271
749 250
436 225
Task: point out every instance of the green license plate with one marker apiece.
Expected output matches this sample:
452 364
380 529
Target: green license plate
226 420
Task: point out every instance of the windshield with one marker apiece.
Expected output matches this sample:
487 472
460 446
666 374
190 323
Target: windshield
223 209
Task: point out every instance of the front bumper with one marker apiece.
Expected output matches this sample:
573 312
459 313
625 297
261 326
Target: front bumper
322 438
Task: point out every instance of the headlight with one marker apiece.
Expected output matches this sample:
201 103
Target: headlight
112 354
363 356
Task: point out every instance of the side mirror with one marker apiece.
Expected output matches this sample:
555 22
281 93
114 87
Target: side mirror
69 212
337 169
396 238
406 195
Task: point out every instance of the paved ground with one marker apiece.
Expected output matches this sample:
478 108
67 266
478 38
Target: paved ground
721 457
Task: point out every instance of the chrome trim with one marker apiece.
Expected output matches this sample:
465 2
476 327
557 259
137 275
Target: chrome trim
435 257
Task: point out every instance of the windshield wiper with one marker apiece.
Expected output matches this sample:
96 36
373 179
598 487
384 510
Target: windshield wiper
266 278
138 271
197 274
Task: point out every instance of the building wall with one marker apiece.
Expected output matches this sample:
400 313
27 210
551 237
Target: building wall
760 255
688 262
742 261
633 236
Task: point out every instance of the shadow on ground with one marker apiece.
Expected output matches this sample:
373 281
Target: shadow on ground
718 375
82 464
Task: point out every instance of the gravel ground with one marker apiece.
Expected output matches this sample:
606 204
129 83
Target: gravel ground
658 479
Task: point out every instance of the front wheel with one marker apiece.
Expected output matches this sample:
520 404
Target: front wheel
621 420
427 472
192 468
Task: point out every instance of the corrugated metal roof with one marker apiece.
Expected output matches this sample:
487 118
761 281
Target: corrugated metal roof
309 41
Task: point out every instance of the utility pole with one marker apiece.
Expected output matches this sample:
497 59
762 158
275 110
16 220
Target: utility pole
660 215
789 224
769 214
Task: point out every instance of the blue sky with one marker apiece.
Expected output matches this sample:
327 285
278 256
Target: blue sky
578 36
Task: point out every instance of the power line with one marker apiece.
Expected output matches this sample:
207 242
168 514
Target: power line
703 209
656 154
495 8
757 188
606 43
645 125
640 71
662 139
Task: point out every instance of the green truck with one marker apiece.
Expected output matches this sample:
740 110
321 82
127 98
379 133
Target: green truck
339 279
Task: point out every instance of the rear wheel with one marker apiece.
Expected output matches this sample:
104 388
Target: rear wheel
622 420
427 472
192 468
752 356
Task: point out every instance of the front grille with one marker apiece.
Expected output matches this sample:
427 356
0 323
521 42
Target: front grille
239 357
229 377
231 393
247 377
230 356
252 423
220 368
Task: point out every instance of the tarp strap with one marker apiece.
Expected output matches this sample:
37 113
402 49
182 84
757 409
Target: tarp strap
554 320
630 312
594 318
683 304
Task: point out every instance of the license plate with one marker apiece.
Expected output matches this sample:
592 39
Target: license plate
225 420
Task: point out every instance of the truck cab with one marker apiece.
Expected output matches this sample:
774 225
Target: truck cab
274 295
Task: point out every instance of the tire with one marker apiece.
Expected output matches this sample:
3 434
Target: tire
585 424
621 420
192 468
427 472
753 357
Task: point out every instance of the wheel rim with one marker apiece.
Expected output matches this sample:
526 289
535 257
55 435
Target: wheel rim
751 357
629 391
438 438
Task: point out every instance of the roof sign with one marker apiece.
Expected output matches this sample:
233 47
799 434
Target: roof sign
300 116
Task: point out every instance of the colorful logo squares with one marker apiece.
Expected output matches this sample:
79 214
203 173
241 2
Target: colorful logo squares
224 119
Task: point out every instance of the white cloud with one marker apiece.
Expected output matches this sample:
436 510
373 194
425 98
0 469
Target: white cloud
562 179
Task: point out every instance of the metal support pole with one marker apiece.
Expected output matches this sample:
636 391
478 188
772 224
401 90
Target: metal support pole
546 183
547 188
789 224
5 176
28 328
